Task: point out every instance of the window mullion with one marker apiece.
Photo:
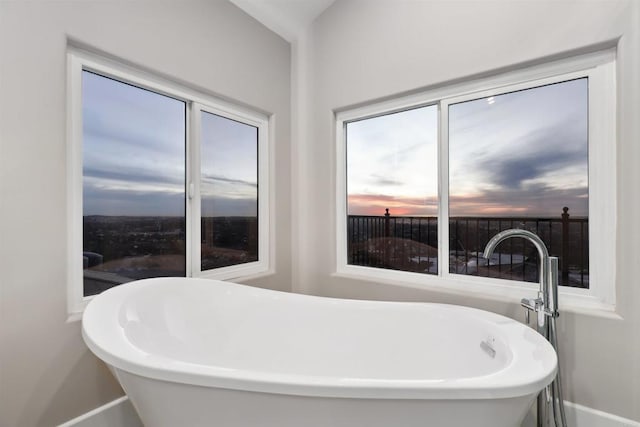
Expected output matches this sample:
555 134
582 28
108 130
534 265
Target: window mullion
193 190
443 189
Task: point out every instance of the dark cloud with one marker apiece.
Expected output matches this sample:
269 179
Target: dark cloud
381 180
537 201
211 179
132 176
148 141
552 148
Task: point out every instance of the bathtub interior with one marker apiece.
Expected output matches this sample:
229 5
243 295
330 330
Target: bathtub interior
237 328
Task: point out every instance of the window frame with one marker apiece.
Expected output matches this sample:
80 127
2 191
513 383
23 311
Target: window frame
599 68
238 270
79 60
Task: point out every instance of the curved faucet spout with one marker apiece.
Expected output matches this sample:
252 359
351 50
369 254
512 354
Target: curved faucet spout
543 303
515 232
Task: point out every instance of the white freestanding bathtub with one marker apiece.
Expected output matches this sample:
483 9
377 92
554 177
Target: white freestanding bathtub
196 352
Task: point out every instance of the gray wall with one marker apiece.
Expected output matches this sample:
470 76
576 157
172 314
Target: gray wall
47 375
366 50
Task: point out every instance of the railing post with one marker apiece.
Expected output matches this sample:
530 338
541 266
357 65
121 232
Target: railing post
565 246
386 223
387 234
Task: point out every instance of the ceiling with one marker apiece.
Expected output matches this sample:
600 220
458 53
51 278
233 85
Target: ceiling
288 18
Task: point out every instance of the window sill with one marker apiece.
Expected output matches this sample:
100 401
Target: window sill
481 288
246 271
237 273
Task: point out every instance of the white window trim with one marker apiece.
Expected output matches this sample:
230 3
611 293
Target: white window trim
240 270
599 299
79 60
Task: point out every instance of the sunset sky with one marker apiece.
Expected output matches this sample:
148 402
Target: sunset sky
392 163
518 154
229 176
134 155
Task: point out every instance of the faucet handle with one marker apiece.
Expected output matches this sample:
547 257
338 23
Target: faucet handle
530 304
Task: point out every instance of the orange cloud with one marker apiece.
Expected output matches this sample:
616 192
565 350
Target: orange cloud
375 204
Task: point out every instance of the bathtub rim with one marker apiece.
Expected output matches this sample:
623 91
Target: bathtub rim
515 379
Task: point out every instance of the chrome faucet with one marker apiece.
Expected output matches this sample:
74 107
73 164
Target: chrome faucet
545 306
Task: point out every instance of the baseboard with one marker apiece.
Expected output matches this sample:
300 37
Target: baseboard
582 416
117 413
120 413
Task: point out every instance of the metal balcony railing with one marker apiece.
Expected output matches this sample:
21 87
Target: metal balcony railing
411 244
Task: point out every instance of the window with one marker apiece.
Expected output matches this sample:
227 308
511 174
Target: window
392 187
133 183
163 181
228 192
428 179
519 160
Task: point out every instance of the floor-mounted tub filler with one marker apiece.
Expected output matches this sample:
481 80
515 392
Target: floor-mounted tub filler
550 404
196 352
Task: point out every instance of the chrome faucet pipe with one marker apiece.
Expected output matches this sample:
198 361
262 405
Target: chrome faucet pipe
553 285
546 305
543 254
515 232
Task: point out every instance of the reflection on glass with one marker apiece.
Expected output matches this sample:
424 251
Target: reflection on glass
229 192
133 183
519 160
392 189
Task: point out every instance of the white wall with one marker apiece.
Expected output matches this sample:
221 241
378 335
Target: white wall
356 52
47 375
363 50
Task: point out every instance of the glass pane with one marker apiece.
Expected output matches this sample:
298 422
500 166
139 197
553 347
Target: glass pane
392 188
229 192
133 183
519 160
